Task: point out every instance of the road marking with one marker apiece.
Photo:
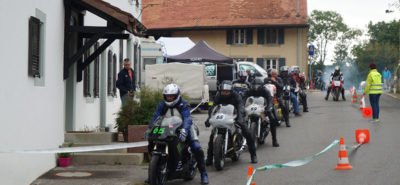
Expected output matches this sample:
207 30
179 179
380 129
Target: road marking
392 95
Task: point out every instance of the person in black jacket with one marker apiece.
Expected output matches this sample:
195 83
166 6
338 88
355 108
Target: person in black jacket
226 95
278 82
126 81
258 89
241 86
288 80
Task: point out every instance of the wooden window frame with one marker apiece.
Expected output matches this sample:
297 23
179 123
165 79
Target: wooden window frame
239 37
267 36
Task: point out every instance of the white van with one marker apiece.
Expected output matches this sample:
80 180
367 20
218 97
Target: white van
219 72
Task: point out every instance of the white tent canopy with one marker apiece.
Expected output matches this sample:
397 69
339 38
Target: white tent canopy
175 45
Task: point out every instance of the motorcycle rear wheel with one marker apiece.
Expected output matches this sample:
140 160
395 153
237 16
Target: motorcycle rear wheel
219 152
156 174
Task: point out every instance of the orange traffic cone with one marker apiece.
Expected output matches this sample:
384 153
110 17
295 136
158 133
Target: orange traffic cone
362 102
343 163
362 136
249 173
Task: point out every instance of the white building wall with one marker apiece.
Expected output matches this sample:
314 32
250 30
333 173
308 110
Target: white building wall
31 116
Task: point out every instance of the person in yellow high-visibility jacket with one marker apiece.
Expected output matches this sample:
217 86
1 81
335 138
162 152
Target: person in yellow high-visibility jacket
373 87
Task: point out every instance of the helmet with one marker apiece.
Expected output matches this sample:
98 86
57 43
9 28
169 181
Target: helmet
225 85
242 74
337 68
269 70
295 69
256 83
284 70
172 89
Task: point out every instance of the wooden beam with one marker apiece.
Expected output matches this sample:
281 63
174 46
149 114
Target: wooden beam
67 19
95 29
95 54
85 47
107 35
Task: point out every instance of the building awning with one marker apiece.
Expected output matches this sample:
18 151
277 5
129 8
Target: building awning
108 11
117 22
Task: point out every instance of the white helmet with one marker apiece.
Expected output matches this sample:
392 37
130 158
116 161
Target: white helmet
172 89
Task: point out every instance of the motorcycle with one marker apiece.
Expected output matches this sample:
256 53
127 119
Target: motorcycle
337 86
277 110
256 119
228 141
171 158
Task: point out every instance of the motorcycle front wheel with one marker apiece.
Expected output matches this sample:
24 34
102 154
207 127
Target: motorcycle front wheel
157 171
219 152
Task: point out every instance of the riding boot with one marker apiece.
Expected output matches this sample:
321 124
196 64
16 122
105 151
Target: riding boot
304 100
286 116
250 143
273 133
327 93
209 160
199 155
344 99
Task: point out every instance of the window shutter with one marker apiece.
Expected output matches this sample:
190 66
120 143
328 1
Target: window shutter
229 36
96 73
121 54
281 36
260 36
282 62
250 59
34 47
109 75
114 76
260 62
249 35
86 77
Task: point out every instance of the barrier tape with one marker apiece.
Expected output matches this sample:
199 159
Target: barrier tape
295 163
196 106
78 149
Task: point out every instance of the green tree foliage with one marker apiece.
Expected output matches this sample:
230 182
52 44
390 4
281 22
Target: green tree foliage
325 26
343 45
382 47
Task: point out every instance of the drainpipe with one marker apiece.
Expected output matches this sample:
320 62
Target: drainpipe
297 57
103 88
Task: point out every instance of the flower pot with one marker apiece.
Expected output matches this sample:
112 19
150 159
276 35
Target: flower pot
64 161
136 134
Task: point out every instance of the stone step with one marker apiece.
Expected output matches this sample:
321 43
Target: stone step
107 158
91 138
122 150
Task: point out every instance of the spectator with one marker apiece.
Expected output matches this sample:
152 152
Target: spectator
126 81
386 78
374 89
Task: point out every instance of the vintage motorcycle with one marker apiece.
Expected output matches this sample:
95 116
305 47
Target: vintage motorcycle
256 119
228 139
171 158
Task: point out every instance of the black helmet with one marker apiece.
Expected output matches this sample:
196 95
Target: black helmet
225 88
256 83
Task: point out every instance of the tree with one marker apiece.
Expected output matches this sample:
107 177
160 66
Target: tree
324 27
343 46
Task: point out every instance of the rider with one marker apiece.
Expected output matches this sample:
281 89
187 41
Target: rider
278 82
173 100
251 76
288 80
301 81
241 85
258 89
226 95
335 74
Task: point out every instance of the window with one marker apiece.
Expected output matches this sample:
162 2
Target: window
148 61
109 73
34 47
114 76
211 69
243 59
86 77
245 67
96 73
270 36
239 36
268 63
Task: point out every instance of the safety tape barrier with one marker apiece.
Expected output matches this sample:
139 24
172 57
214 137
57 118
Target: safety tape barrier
197 106
77 149
295 163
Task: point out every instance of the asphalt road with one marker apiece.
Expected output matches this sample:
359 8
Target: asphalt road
377 162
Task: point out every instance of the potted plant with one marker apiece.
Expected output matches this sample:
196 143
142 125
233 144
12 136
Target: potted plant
64 159
133 118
